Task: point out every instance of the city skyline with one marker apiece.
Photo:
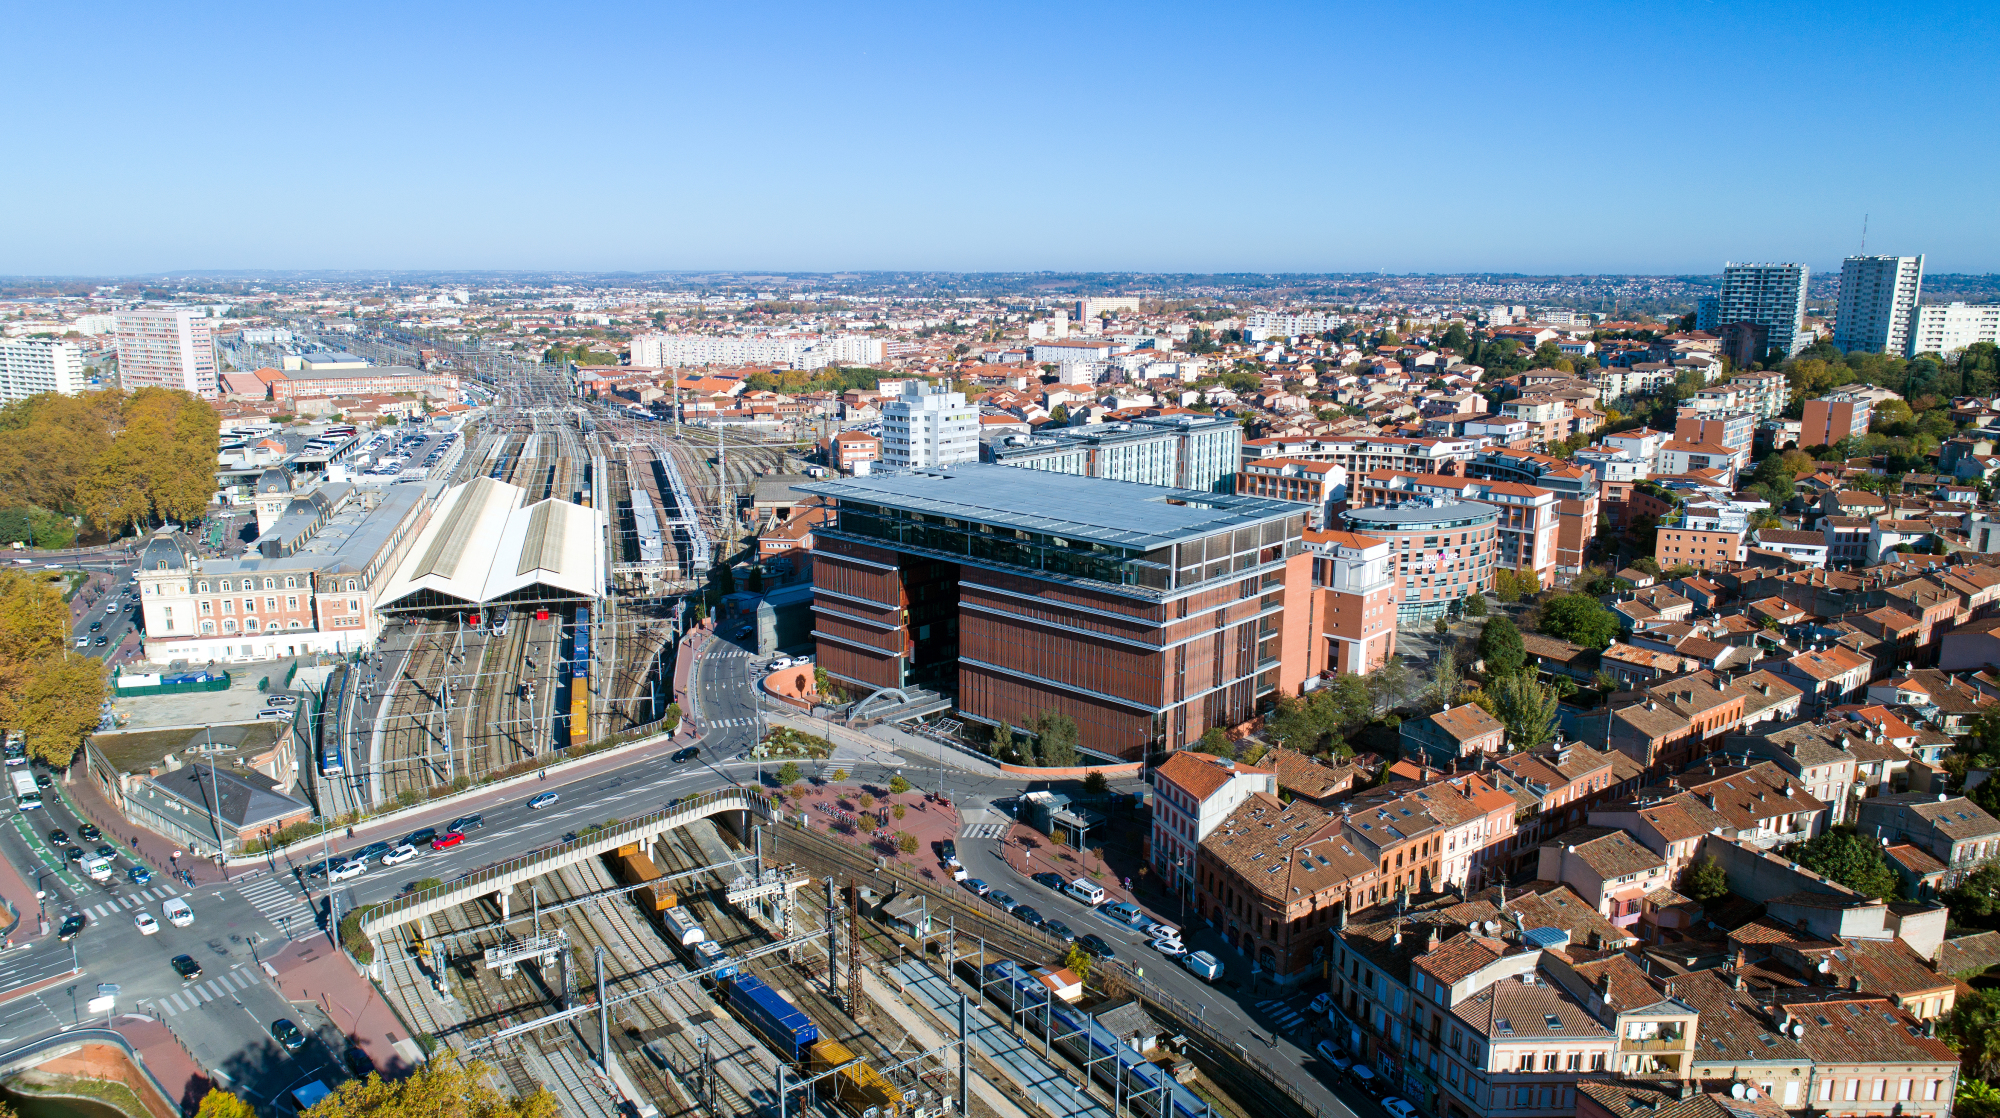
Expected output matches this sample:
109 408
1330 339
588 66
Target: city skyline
1157 139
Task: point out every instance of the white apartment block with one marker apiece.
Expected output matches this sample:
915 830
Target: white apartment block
166 347
1769 295
845 349
1878 300
666 351
29 366
1947 328
1291 325
929 427
1087 309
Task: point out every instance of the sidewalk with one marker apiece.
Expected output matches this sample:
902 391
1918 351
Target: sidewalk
162 1053
141 844
310 972
885 744
1029 852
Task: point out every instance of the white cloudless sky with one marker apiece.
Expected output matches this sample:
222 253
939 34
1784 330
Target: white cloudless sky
1452 136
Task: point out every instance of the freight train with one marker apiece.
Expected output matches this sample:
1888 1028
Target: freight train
1147 1087
789 1032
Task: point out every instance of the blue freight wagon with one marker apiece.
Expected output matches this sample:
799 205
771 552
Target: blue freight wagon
788 1031
580 645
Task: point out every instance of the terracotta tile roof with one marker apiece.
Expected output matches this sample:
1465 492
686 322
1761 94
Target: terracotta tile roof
1973 954
1466 722
1628 1099
1672 821
1198 774
1610 853
1862 1031
1512 1009
1733 1026
1460 956
1915 859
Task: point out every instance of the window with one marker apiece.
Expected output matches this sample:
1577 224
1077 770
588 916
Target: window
1549 1061
229 605
204 586
290 583
1903 1091
1853 1089
1575 1061
1931 1090
291 603
1597 1061
1527 1061
270 584
170 617
208 607
1881 1090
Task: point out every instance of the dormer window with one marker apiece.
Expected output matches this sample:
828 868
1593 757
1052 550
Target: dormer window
204 587
225 586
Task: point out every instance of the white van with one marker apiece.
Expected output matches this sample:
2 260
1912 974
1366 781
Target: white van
177 913
1085 890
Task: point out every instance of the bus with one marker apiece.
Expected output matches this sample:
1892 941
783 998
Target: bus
25 793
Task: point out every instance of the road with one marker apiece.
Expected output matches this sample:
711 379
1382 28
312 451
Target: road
226 1015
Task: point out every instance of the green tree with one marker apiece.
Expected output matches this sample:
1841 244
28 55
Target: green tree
898 786
1525 706
1057 740
1500 646
219 1103
62 702
1455 338
905 841
443 1087
838 775
1579 619
1060 416
788 773
1973 1028
670 719
1441 626
1851 860
1094 783
1078 962
1215 740
1977 897
1704 881
1475 605
1444 678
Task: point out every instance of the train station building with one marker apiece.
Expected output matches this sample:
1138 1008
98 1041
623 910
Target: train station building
485 545
1146 613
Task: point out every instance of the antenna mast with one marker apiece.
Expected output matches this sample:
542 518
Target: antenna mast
1864 234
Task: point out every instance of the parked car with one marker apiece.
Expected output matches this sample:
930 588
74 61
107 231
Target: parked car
1171 948
187 968
447 840
1058 928
420 837
948 850
542 801
1048 880
1399 1108
281 701
358 1062
1028 916
272 713
978 887
1005 902
1365 1078
71 926
1094 945
466 823
1334 1057
288 1034
1202 965
147 925
399 855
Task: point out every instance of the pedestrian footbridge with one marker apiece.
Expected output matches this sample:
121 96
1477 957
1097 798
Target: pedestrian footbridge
740 806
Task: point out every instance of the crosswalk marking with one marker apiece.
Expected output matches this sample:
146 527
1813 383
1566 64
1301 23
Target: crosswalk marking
727 723
983 830
280 902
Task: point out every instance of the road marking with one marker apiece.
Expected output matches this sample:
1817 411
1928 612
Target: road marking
983 830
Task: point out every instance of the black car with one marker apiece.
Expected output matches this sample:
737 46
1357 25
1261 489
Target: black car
73 853
287 1034
89 831
1095 946
59 836
187 968
96 625
1058 928
44 780
1052 880
421 838
948 850
463 824
358 1063
1028 916
71 926
107 851
683 756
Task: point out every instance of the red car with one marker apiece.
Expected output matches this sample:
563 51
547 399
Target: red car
448 839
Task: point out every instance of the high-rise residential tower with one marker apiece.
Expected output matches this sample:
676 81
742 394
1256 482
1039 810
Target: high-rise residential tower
166 347
928 426
1772 296
33 365
1878 303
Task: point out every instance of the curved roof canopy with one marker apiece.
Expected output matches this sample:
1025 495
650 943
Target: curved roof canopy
484 545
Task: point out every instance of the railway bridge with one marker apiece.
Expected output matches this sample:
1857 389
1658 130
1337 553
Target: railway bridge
740 808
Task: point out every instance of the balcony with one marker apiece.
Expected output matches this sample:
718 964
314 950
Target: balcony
1657 1044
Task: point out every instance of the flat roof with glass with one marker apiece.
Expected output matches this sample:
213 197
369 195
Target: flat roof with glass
1144 537
1420 514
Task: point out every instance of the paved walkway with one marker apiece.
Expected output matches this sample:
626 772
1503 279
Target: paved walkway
169 1061
145 846
311 972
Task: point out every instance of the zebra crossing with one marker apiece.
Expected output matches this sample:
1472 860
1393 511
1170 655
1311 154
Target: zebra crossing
279 900
725 723
983 830
127 902
197 994
1284 1017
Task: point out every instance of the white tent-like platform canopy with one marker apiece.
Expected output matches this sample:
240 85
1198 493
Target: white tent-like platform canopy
483 546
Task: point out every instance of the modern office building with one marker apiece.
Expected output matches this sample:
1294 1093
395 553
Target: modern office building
1832 418
1878 303
1528 525
1442 551
1772 296
1190 451
166 347
30 366
1574 485
1148 614
928 426
1947 328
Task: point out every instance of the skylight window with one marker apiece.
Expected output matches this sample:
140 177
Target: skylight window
1552 1021
1503 1026
1823 1022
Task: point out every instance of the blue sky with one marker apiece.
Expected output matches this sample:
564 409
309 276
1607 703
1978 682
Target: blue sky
1531 137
